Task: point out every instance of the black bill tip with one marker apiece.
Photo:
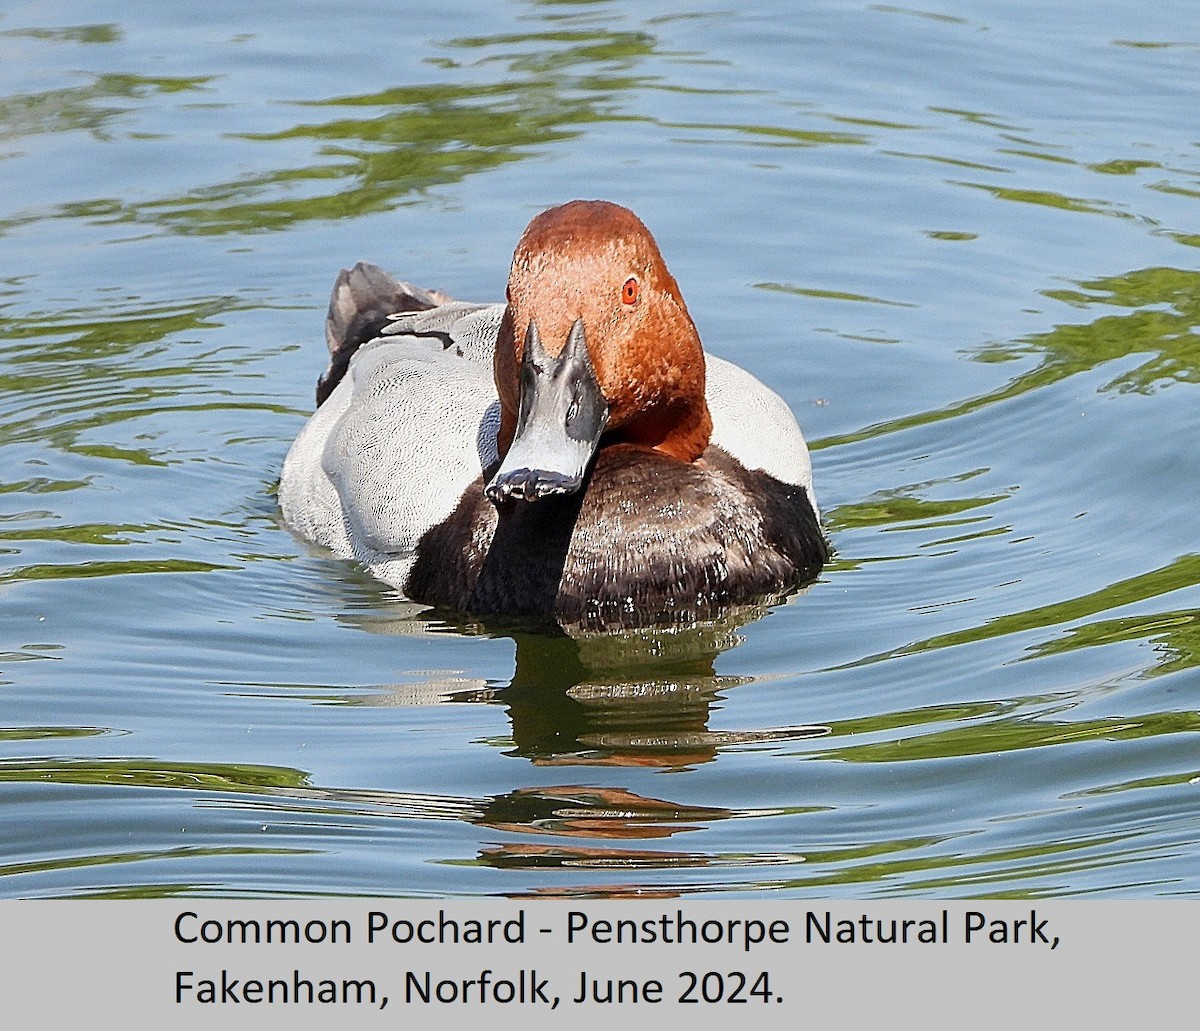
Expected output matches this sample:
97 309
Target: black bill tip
531 484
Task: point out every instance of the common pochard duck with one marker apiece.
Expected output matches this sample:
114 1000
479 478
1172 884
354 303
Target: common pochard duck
569 456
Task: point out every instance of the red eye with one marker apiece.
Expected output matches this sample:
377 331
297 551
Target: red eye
629 292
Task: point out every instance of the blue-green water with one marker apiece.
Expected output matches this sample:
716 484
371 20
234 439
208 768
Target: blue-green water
960 239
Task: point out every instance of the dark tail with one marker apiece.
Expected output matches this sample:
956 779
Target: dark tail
364 298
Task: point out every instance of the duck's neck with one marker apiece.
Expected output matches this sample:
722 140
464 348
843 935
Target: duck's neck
680 429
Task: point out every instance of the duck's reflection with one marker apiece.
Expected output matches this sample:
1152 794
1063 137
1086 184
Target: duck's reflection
636 699
642 699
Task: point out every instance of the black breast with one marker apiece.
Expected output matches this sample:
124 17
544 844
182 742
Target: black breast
649 541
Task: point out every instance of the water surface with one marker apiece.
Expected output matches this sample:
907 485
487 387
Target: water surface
961 242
